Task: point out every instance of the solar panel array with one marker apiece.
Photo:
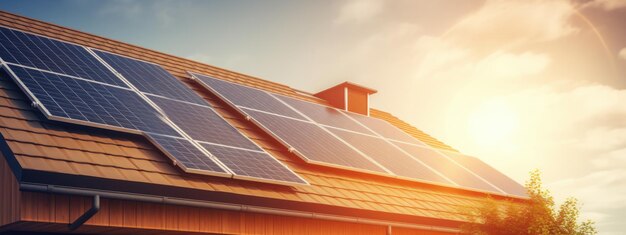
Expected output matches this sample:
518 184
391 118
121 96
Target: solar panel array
331 137
80 85
76 84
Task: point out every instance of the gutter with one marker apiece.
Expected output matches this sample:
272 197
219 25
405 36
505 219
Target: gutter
219 205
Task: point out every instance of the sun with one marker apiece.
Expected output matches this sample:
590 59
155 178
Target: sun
494 123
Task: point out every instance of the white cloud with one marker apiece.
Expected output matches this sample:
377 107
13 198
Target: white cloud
606 4
357 11
622 53
505 65
501 22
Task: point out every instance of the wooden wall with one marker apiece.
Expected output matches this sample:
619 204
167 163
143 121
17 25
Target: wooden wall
117 216
43 207
9 194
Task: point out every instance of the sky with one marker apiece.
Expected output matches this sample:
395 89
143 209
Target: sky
528 84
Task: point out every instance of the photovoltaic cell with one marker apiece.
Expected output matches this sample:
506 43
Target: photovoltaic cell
325 115
186 154
384 129
253 164
202 123
92 102
150 78
390 157
52 55
247 97
447 167
489 173
312 142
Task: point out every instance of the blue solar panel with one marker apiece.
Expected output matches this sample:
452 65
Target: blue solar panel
91 102
381 148
202 123
489 173
247 97
255 165
186 155
52 55
325 115
312 142
390 157
447 167
384 129
150 78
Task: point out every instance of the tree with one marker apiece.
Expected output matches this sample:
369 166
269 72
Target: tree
538 215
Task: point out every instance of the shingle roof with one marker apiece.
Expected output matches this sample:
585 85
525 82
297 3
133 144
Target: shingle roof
41 145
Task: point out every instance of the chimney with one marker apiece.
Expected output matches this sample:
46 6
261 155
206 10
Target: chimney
348 96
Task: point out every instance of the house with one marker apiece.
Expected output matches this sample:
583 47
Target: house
68 178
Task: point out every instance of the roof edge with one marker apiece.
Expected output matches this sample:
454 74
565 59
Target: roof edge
232 207
87 182
7 153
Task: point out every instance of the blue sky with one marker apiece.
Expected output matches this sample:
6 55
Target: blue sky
521 84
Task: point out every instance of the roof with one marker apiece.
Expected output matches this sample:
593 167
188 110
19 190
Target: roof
352 85
82 156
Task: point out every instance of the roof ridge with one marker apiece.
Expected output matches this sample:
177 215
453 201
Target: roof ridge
410 128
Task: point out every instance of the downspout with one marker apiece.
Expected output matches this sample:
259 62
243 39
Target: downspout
95 207
221 206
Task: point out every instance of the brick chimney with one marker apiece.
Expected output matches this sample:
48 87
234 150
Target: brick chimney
348 96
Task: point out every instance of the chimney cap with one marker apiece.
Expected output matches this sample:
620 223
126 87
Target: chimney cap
351 86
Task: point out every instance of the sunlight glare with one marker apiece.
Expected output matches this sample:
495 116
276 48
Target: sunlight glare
493 123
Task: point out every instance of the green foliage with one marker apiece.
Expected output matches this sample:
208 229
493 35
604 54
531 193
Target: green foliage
538 215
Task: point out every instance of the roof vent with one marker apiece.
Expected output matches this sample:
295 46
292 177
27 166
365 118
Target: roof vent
348 96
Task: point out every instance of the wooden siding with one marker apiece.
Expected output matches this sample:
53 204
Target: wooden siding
9 194
45 210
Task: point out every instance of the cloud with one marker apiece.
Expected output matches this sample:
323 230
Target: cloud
602 194
622 53
357 11
606 4
504 23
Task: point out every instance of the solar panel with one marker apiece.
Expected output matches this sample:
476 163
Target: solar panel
325 115
246 97
447 167
383 128
189 112
202 123
90 103
186 155
150 78
254 165
336 138
70 83
312 142
389 156
52 55
489 173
